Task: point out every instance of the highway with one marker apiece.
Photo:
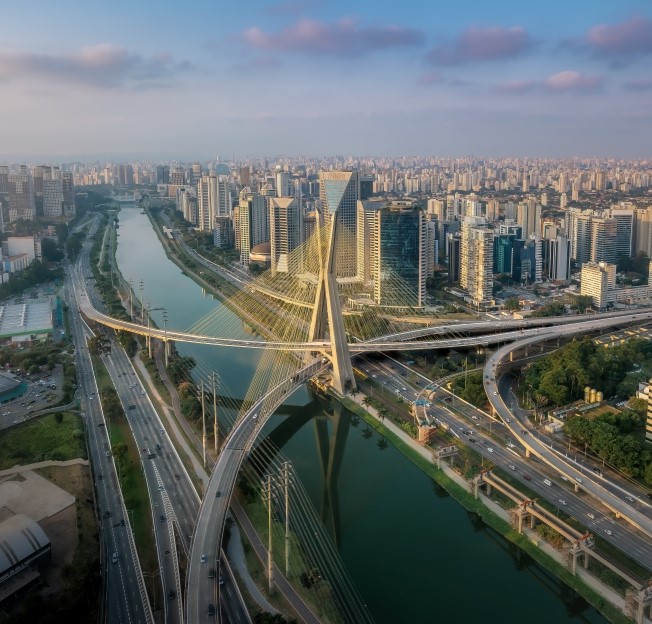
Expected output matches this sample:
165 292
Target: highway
521 430
173 497
202 589
474 428
126 600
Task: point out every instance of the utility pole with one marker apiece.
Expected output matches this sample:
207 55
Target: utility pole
270 562
149 338
203 423
215 423
286 480
131 300
165 334
142 305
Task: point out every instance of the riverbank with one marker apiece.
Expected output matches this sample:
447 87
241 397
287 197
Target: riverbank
600 596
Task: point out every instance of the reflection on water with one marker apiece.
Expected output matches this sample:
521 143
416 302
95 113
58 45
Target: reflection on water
414 557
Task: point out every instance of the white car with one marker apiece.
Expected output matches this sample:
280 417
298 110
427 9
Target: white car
490 449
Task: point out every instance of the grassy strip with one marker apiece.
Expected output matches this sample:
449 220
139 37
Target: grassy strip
467 500
42 439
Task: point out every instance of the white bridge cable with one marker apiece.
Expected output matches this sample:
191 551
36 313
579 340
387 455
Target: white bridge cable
318 550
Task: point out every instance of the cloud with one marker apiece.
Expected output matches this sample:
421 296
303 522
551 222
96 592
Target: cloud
431 78
572 81
342 38
625 41
477 45
103 65
639 84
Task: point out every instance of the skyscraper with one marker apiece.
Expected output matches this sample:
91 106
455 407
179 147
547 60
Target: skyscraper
285 231
604 239
476 272
338 195
624 218
398 256
52 198
21 196
253 215
68 190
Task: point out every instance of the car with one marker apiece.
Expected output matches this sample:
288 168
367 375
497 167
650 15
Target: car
448 399
100 424
608 531
508 420
211 609
563 502
523 431
221 581
592 516
211 573
162 430
143 392
162 518
512 467
158 447
495 393
630 499
107 514
161 487
472 440
510 445
490 449
527 477
171 594
649 494
218 494
177 477
255 416
474 417
114 557
100 476
203 558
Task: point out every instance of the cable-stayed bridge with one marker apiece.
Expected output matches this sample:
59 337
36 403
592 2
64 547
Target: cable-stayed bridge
306 332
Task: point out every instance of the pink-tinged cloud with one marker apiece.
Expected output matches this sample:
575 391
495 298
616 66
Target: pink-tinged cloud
639 84
625 41
342 38
103 65
478 45
570 80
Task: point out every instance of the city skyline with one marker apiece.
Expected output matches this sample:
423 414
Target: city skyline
310 77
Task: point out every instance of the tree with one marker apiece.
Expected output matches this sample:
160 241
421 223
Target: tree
512 304
58 418
50 250
582 303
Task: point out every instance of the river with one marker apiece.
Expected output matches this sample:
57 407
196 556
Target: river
414 554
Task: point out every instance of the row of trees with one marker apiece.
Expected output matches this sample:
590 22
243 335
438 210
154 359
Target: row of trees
35 274
562 376
470 388
616 439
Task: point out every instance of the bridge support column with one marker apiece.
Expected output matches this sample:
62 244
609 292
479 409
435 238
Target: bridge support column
577 487
527 452
327 316
586 560
511 356
532 522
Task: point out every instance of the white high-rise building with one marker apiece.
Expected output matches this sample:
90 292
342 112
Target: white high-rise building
598 278
476 271
285 232
253 215
52 198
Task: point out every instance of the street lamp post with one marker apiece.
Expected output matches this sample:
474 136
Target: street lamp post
165 335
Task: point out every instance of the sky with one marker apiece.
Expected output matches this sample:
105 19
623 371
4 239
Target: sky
253 78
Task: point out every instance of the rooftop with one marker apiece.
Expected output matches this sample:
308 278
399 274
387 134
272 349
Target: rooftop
33 317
